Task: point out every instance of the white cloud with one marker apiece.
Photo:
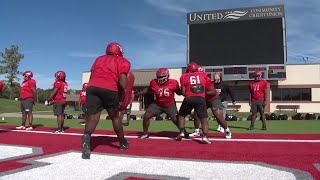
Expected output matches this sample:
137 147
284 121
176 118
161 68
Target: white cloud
156 31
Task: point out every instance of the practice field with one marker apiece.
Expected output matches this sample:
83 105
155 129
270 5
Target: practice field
40 154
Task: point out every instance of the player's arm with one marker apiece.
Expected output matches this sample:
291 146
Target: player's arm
183 87
210 89
53 94
179 91
265 92
34 92
250 96
123 80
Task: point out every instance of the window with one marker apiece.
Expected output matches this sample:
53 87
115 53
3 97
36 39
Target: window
286 94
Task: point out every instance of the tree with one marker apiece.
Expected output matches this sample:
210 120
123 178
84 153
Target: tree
43 94
9 64
15 91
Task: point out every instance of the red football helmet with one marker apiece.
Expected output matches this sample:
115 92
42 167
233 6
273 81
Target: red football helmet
257 75
28 74
192 67
84 85
60 75
114 49
162 75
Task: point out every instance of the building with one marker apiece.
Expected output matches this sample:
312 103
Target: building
301 88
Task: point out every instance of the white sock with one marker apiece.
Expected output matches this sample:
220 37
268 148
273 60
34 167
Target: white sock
197 130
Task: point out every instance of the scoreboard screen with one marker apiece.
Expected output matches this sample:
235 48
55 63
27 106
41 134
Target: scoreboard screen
269 72
237 42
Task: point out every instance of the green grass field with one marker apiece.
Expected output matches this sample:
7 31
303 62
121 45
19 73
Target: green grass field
274 127
9 106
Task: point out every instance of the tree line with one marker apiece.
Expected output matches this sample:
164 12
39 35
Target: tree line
9 64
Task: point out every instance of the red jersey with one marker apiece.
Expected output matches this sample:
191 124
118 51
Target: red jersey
211 97
61 95
1 87
257 89
106 70
190 80
25 91
83 96
164 93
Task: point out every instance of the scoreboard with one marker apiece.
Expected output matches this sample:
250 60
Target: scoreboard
245 72
238 42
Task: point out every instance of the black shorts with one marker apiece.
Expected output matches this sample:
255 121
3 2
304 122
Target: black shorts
197 103
26 105
171 111
99 99
257 106
215 104
58 108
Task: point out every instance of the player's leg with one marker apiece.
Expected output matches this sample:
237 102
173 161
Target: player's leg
254 110
152 111
128 114
185 109
224 113
201 109
110 101
94 107
263 117
196 122
58 109
23 117
172 113
216 108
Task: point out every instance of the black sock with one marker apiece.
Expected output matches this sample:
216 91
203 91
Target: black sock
205 134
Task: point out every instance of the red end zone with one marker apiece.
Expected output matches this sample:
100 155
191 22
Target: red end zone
303 156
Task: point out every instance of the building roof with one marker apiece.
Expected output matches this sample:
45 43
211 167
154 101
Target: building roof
143 77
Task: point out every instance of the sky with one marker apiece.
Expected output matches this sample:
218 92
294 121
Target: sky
69 35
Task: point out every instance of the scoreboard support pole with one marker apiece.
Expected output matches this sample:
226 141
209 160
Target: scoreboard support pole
267 107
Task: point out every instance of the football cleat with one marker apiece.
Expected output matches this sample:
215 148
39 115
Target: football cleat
228 135
206 140
21 127
220 129
124 145
29 128
86 146
143 136
179 137
251 128
194 134
264 128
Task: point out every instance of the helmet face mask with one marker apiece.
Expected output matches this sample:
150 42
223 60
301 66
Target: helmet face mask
162 76
60 75
27 75
257 75
114 49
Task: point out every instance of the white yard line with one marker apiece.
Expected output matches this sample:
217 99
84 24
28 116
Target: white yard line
170 138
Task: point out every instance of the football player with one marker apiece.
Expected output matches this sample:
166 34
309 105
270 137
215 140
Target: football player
28 97
258 97
59 98
214 103
108 77
164 90
82 101
195 85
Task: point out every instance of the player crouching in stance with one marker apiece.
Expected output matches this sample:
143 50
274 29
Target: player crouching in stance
59 98
164 90
108 77
194 86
